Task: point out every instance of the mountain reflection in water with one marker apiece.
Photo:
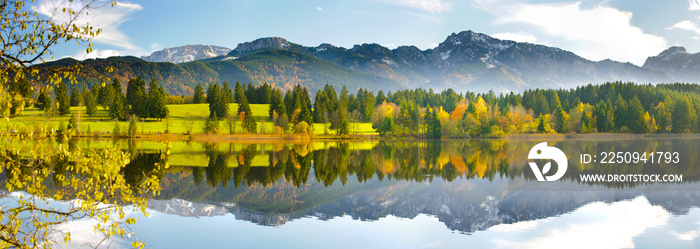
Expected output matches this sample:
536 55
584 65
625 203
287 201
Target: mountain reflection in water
476 187
466 184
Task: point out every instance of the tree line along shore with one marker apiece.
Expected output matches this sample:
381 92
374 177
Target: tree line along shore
146 109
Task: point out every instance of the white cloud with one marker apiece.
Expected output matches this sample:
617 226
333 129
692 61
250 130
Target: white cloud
319 9
389 45
597 33
612 225
694 4
686 25
519 37
107 17
97 54
435 6
156 47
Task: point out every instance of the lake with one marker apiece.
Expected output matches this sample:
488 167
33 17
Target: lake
414 194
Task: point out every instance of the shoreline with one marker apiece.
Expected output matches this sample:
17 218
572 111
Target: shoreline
296 138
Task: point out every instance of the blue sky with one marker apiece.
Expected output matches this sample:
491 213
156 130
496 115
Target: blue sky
623 30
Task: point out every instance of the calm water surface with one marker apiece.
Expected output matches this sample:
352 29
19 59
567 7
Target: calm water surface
405 194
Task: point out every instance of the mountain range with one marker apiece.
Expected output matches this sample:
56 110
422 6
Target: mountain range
465 61
186 53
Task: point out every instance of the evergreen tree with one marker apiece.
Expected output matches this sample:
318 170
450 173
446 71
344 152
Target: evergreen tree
135 90
662 117
249 92
609 116
680 116
387 126
157 101
75 97
140 107
136 97
218 105
434 126
198 97
320 112
246 113
226 93
43 101
636 112
555 102
380 98
560 118
238 92
116 109
277 104
90 101
366 105
600 116
265 93
541 126
305 102
62 99
541 105
621 117
105 94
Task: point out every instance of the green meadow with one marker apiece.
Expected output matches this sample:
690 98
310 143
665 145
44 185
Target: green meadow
181 118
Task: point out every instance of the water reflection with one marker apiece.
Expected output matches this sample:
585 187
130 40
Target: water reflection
467 185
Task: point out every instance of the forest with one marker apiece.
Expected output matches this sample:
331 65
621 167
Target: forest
613 107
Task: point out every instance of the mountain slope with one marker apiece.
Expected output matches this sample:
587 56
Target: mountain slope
676 62
465 61
279 67
186 53
469 61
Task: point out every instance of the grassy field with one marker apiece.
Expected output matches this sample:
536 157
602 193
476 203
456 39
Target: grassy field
181 118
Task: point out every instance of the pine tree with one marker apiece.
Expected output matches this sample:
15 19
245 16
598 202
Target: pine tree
600 116
305 102
75 97
265 93
560 118
226 93
541 105
662 117
116 109
277 104
62 99
135 92
635 112
320 107
43 101
106 94
541 126
434 128
344 126
237 93
621 117
136 102
90 101
157 101
244 111
680 116
198 97
217 103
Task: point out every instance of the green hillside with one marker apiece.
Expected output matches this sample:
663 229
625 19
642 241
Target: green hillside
282 68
